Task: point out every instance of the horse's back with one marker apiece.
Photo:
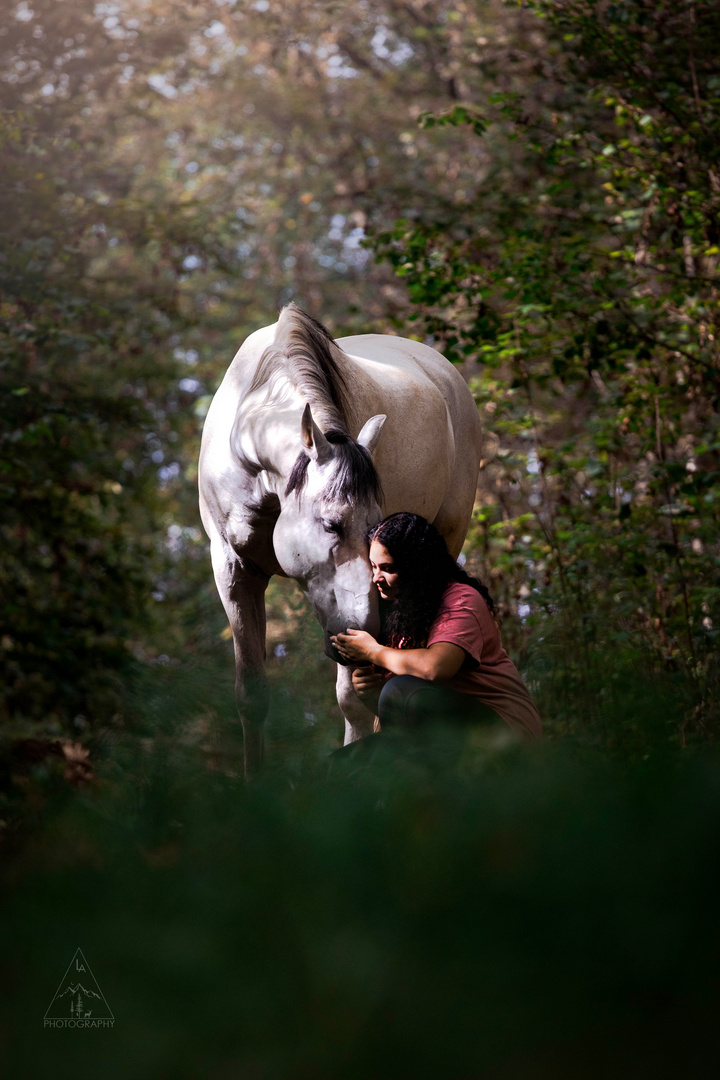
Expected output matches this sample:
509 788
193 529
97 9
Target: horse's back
386 357
437 441
412 358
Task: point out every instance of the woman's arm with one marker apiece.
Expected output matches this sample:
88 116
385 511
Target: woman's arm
441 661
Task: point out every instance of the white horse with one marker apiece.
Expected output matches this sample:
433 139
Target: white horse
307 444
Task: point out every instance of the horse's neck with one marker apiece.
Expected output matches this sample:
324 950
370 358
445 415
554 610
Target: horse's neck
267 430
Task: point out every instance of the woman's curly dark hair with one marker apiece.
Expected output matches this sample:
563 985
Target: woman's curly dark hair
425 568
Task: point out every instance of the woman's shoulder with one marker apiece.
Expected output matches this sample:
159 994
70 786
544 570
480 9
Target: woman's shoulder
459 594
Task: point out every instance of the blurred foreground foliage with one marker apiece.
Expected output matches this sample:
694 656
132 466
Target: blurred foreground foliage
447 906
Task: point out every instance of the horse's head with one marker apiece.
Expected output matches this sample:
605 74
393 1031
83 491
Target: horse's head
332 500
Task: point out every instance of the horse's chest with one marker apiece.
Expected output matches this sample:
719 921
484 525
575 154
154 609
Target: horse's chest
249 525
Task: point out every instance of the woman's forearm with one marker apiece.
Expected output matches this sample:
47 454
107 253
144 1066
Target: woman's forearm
419 662
441 660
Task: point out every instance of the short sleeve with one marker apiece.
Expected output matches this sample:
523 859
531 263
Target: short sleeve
458 621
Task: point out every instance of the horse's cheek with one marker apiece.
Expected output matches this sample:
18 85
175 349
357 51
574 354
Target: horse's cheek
295 551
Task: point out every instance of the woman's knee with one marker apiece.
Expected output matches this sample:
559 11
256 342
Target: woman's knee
406 700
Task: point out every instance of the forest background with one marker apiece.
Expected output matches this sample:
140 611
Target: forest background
531 187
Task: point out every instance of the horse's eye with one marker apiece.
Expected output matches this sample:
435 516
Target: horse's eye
334 527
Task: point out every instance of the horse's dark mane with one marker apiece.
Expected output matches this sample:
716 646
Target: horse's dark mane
304 350
312 360
355 479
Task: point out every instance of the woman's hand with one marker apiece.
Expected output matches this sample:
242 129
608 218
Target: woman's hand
368 682
357 645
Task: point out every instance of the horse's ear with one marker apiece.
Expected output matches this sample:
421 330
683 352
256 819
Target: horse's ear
315 442
370 433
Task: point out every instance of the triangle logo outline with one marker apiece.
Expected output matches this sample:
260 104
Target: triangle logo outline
78 988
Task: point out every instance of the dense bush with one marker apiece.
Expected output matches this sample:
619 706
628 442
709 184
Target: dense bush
579 275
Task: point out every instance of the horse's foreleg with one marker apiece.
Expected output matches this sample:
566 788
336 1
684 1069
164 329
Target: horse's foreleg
242 590
251 689
358 719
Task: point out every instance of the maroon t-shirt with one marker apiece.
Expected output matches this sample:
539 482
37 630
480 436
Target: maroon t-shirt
487 673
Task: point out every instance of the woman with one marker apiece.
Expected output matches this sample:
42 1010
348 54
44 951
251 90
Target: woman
443 655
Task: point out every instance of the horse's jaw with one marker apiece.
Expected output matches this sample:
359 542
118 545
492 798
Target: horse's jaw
345 599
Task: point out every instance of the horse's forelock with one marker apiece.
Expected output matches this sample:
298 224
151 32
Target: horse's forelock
298 474
354 479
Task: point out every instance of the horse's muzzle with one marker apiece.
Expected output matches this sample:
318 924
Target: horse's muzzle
333 654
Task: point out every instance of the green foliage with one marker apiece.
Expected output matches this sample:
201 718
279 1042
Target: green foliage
90 299
171 177
434 909
459 114
581 280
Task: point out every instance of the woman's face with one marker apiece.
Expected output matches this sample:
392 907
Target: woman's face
383 569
